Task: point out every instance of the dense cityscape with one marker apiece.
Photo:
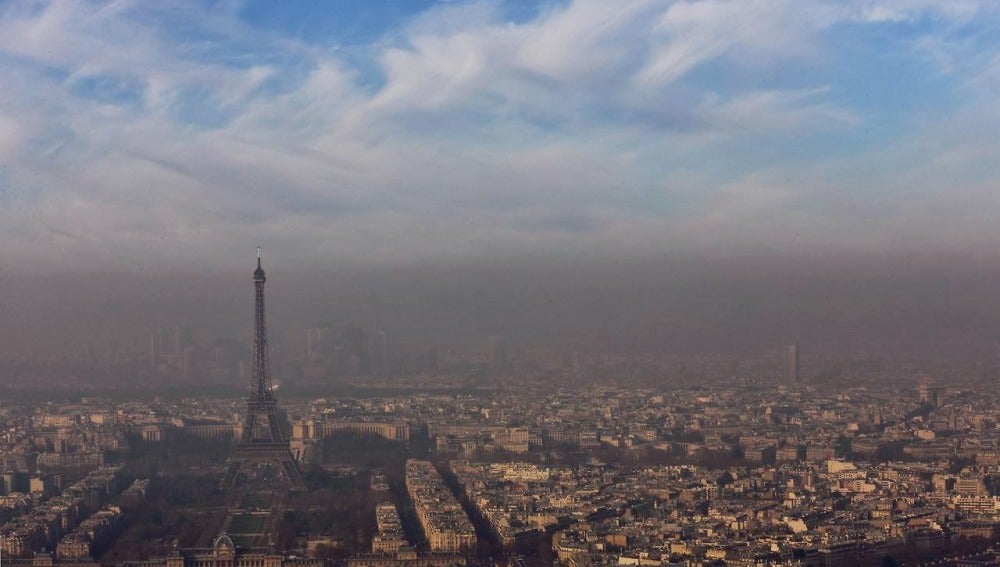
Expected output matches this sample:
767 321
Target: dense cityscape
502 458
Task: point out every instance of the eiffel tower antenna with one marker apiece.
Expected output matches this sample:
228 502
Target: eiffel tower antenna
262 440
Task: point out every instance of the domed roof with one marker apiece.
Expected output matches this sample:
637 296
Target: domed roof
223 543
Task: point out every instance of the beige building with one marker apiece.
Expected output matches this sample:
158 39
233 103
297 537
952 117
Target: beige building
445 524
223 553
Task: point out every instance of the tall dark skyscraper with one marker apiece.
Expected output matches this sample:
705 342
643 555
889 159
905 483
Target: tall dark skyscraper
498 356
262 442
379 345
790 364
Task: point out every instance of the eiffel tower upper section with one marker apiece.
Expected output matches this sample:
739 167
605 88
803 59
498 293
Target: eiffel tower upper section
260 375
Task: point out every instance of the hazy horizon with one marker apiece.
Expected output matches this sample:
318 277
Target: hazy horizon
690 305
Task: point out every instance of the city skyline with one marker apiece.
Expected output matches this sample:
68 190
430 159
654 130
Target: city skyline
690 306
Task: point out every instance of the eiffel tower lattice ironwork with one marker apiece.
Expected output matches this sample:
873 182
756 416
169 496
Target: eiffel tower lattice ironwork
262 440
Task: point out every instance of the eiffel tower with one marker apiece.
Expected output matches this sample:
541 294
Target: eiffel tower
262 441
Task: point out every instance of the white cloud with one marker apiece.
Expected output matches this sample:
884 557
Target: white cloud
563 132
896 11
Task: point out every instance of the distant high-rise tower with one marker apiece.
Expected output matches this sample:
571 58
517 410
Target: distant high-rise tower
930 394
498 353
380 356
790 366
319 343
262 440
431 360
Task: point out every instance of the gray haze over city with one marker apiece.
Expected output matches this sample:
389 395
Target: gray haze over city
889 305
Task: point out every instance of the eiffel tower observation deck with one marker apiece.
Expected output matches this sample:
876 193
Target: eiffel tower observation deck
263 448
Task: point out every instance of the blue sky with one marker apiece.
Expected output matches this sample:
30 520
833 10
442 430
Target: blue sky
146 135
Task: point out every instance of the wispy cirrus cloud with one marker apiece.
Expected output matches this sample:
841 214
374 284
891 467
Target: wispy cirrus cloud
177 133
